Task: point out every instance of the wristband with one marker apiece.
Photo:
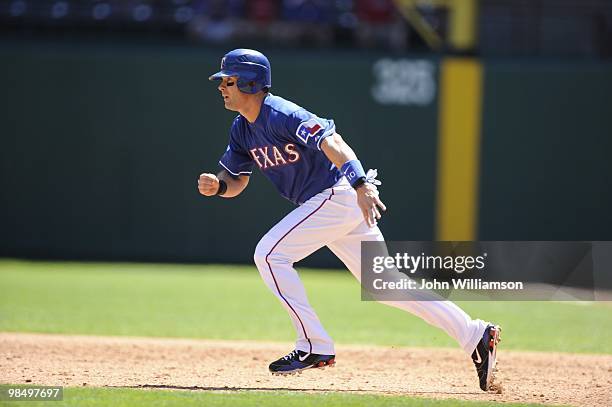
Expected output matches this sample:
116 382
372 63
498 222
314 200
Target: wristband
222 187
354 173
359 182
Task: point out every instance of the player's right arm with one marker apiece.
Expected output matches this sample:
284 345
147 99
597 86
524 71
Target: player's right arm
208 184
236 167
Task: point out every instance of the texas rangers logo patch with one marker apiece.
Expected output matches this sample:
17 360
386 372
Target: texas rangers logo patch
309 128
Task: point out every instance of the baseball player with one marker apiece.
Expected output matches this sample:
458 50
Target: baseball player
338 206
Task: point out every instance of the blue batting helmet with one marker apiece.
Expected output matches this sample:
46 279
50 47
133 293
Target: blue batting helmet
251 67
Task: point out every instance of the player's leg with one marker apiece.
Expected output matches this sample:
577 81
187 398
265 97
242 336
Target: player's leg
476 337
443 314
304 230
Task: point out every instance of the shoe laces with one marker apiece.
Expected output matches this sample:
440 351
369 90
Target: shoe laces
291 355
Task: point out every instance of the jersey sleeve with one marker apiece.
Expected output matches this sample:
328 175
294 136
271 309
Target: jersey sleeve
308 129
236 160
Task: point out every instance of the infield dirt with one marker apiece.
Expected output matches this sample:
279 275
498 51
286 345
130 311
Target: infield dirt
205 365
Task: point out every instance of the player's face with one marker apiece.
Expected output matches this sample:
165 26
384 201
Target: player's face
232 97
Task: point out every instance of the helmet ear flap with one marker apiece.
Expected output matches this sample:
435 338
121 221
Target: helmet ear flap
249 87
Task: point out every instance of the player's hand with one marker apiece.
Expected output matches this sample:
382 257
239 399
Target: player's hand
370 203
208 184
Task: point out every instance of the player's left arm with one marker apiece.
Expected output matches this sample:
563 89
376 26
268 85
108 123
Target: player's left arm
341 154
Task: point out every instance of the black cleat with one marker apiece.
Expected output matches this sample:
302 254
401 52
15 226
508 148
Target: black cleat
485 355
296 361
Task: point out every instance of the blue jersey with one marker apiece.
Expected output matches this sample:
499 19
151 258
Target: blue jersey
285 143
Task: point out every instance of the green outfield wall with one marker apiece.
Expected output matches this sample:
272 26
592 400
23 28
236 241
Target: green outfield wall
101 147
546 151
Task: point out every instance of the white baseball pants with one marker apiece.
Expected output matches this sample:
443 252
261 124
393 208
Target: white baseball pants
332 218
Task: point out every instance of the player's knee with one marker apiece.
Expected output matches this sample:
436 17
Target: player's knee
262 250
267 253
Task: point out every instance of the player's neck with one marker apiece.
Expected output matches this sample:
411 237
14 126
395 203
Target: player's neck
252 108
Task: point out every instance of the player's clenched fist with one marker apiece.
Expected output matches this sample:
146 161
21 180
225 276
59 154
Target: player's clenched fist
208 184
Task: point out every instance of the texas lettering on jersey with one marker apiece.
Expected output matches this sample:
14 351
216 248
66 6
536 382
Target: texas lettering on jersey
272 156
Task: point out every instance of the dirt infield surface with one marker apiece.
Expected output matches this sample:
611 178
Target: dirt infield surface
200 365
